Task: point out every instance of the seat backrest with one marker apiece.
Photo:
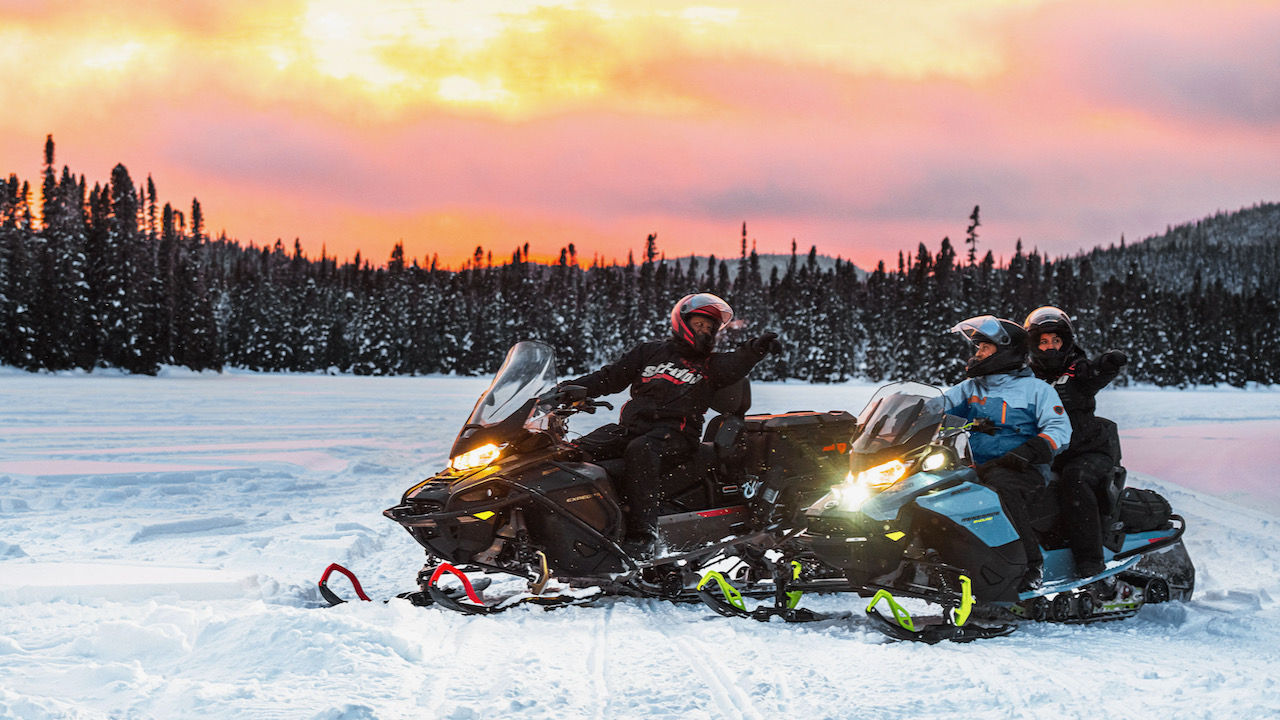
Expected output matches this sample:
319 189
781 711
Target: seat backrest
1109 501
733 399
726 436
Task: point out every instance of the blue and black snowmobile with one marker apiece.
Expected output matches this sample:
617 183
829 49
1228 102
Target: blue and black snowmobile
912 520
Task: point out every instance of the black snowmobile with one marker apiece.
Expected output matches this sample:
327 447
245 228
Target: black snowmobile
519 499
912 520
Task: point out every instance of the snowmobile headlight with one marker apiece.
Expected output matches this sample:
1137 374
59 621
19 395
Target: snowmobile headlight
881 476
849 496
478 458
934 461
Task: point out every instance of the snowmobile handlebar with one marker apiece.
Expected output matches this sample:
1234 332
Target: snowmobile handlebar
572 398
588 406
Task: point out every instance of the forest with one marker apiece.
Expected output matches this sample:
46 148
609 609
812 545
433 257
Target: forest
105 276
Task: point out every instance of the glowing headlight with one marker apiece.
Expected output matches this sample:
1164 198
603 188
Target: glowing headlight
881 476
849 496
477 458
934 461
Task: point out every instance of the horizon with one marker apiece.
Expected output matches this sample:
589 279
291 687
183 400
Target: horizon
858 129
504 258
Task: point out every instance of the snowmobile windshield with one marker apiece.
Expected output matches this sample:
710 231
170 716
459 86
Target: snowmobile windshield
902 415
528 371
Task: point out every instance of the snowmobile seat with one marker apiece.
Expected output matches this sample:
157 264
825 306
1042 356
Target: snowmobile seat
1050 524
613 467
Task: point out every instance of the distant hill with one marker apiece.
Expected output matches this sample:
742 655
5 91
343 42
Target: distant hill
1240 249
1248 226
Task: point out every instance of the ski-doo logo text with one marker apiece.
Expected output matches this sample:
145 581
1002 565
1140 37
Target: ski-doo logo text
669 371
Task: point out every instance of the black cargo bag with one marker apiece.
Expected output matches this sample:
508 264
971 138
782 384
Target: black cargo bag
1142 510
796 456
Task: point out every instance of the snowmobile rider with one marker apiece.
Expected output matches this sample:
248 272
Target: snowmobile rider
672 383
1084 468
1019 420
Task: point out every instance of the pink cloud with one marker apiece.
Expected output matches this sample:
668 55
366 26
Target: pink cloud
1204 64
1109 119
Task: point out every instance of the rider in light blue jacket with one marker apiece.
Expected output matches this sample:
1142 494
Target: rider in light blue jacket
1020 406
1022 424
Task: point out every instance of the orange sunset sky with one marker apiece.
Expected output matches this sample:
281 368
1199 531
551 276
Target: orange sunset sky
860 126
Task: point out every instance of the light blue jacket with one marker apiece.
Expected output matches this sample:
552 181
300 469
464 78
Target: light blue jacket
1020 405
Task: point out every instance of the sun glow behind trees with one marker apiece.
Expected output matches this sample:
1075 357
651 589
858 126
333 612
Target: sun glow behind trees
854 125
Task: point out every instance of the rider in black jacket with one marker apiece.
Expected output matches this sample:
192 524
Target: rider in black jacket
1084 467
672 383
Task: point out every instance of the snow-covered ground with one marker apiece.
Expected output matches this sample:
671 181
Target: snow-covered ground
160 539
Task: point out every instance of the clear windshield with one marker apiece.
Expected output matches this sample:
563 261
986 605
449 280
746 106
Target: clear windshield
528 371
897 414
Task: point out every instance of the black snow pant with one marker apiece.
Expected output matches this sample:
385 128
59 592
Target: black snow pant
1017 489
1082 480
648 454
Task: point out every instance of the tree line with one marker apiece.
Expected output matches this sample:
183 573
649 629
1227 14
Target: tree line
108 277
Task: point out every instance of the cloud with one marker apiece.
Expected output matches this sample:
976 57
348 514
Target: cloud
849 125
1181 61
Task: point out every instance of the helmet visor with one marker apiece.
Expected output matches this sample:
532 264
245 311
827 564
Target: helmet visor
983 328
1046 315
709 305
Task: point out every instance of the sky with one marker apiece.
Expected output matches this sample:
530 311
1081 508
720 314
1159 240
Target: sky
861 127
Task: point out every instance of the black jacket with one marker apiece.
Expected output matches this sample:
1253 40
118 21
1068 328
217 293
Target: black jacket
670 385
1077 386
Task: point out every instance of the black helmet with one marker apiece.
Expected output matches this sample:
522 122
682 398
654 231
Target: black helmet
1008 337
1048 319
704 304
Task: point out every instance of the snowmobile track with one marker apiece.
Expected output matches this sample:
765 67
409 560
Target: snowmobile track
720 681
598 664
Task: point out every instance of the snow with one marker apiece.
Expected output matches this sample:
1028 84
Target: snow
160 540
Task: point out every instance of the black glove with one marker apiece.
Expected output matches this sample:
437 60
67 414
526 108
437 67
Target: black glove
1112 361
766 344
983 425
565 394
1035 451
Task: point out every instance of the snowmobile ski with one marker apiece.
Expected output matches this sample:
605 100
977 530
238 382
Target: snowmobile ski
953 624
417 598
329 595
729 603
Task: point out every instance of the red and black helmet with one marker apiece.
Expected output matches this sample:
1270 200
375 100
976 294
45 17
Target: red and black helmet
700 304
